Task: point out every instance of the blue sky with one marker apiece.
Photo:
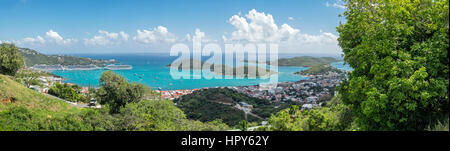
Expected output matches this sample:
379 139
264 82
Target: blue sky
82 26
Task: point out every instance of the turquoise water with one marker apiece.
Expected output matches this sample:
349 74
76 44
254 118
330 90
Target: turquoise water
150 69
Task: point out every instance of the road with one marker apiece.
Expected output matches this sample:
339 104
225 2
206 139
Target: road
68 102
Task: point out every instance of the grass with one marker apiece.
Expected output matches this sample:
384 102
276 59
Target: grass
25 109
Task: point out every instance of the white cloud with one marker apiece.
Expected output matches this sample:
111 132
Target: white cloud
260 27
37 40
107 38
336 4
55 37
157 35
199 34
291 18
257 27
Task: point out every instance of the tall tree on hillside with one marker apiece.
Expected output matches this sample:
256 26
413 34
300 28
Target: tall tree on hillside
399 52
117 92
10 59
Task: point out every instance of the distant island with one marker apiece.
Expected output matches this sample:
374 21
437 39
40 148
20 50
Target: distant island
245 69
303 61
319 70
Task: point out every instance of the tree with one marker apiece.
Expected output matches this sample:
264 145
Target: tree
10 59
70 93
399 53
117 92
244 125
28 78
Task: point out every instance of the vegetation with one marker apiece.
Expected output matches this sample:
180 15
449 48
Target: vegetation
32 57
117 92
29 78
10 59
319 70
399 53
23 109
67 92
333 117
218 103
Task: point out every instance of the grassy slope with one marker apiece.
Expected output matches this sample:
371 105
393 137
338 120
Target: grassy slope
32 110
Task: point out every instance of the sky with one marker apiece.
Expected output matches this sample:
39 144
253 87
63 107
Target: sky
125 26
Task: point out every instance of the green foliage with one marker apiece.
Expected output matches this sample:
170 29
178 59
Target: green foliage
33 111
399 53
244 125
10 59
67 92
333 117
116 91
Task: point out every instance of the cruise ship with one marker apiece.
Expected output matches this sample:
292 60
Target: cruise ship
118 67
81 67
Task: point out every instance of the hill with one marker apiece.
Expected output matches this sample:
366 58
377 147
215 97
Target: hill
242 68
32 57
306 61
24 109
218 103
319 70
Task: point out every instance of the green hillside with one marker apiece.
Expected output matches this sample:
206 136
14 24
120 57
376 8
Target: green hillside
32 57
24 109
218 103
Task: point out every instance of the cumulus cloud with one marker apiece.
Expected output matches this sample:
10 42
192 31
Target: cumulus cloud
261 27
107 38
53 36
199 34
291 18
257 27
157 35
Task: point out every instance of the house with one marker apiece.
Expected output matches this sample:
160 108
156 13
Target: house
307 106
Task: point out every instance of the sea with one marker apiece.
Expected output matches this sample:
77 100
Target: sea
150 69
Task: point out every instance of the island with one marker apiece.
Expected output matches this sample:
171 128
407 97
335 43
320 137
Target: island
303 61
244 68
319 70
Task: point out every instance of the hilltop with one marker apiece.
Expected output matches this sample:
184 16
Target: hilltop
33 57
